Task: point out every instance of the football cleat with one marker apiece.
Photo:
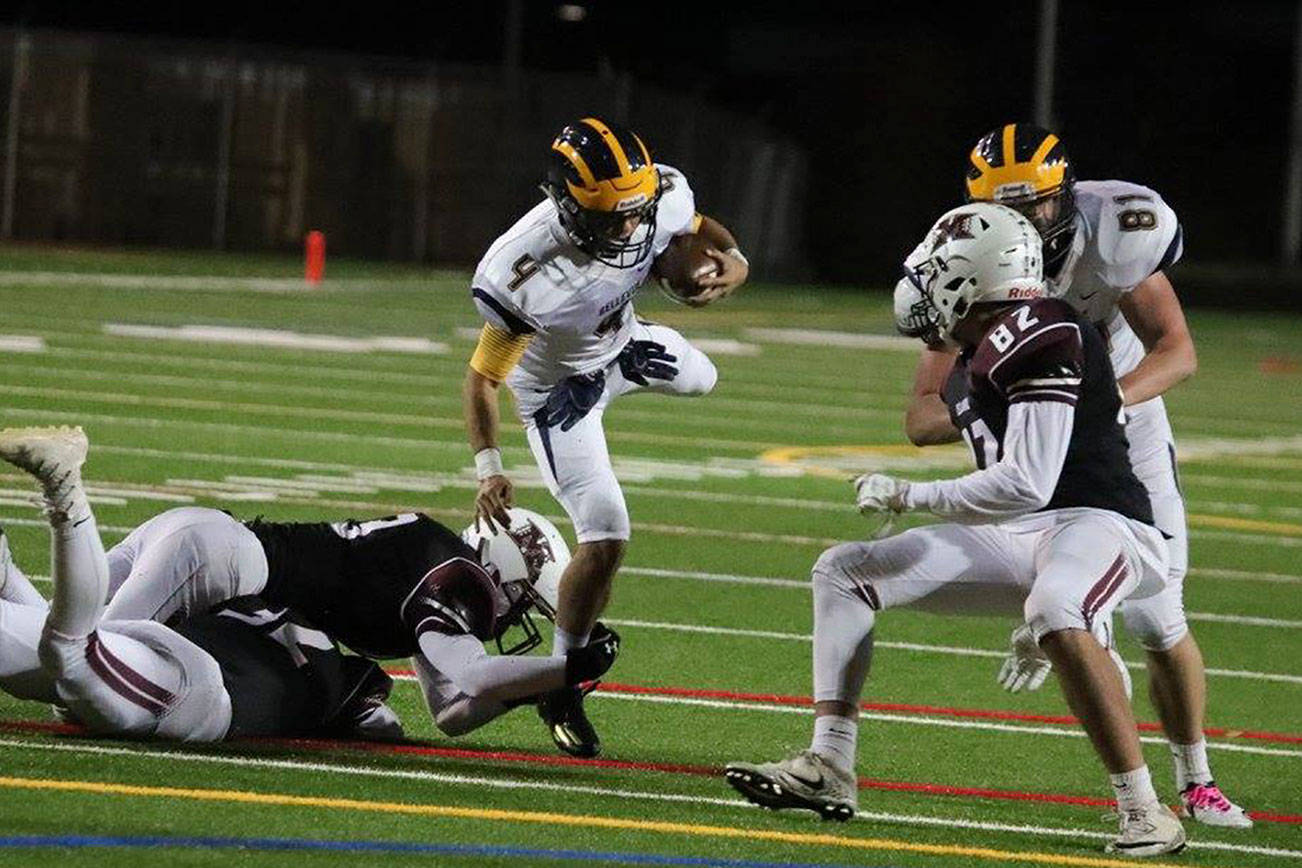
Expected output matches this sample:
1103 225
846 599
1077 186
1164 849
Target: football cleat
50 454
573 733
806 781
1205 803
1152 830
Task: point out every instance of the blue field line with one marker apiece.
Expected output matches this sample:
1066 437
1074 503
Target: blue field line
609 857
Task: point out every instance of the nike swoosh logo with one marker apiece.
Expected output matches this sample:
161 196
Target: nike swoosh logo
1085 297
813 785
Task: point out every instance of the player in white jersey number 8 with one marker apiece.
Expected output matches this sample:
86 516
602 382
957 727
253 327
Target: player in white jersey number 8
556 293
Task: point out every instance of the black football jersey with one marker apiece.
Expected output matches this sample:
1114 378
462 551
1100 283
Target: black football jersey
284 677
376 585
1044 351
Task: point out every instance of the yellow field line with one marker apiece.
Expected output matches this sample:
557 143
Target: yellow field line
577 820
1283 528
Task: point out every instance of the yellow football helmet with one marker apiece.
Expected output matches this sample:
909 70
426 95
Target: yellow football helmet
606 189
1026 168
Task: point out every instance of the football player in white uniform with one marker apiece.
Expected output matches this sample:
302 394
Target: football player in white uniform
1053 523
556 293
1107 247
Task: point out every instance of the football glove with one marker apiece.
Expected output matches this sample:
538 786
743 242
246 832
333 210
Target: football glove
592 660
571 399
880 498
1025 667
641 359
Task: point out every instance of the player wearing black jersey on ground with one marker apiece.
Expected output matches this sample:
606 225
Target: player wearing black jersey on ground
1054 522
398 586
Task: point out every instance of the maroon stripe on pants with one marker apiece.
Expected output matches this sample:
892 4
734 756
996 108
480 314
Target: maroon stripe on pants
869 595
1102 583
124 680
1111 589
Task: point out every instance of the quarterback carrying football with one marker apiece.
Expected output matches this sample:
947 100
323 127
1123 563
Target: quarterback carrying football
1053 523
556 294
1107 247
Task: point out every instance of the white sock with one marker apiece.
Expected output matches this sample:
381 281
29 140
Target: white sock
1191 766
562 642
835 739
65 500
1134 789
80 572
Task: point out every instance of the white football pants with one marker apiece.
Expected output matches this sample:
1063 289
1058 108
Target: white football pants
120 678
575 464
182 562
1158 622
1062 569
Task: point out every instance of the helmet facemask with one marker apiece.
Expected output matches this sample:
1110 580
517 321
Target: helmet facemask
520 599
1053 214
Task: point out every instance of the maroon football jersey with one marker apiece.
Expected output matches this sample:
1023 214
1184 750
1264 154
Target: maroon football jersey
1044 351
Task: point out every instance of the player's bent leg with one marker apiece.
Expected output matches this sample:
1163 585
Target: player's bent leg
183 562
14 584
694 372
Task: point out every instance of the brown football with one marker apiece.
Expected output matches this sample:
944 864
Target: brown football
683 264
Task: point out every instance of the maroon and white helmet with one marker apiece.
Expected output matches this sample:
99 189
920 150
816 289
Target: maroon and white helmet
528 558
979 252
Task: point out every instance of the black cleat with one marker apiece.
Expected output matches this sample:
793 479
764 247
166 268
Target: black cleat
562 711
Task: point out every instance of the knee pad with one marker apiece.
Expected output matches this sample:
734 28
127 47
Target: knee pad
832 575
1158 622
599 515
1046 612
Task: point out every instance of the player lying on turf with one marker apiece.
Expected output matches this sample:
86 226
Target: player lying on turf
1108 245
391 587
556 293
243 669
1054 522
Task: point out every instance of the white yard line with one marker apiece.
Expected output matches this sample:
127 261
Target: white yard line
276 338
501 783
1244 576
22 344
923 720
908 646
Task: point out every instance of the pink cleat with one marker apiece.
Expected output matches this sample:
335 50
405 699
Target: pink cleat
1206 804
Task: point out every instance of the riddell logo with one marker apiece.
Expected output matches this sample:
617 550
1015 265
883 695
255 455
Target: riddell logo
1026 292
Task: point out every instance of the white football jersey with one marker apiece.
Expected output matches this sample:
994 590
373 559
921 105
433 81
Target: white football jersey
1124 233
533 279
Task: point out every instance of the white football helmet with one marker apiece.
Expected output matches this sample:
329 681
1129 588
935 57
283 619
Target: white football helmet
979 252
528 557
914 315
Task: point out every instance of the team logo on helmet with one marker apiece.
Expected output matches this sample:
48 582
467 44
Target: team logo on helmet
534 546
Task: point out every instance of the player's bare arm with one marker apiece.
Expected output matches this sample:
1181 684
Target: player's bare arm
926 421
733 266
479 399
1153 311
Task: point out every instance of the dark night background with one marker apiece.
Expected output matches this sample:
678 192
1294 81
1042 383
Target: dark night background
1191 98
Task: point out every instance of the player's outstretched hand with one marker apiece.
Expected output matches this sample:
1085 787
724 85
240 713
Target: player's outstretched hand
1025 667
491 502
592 660
877 492
642 359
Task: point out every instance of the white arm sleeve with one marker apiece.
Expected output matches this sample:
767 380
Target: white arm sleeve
1022 481
464 662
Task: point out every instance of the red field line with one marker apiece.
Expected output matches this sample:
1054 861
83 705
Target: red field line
418 749
903 708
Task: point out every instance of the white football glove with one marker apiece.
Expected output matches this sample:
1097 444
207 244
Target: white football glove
1025 667
880 498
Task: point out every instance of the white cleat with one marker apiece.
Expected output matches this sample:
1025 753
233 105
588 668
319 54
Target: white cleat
50 454
805 780
1206 804
1152 830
